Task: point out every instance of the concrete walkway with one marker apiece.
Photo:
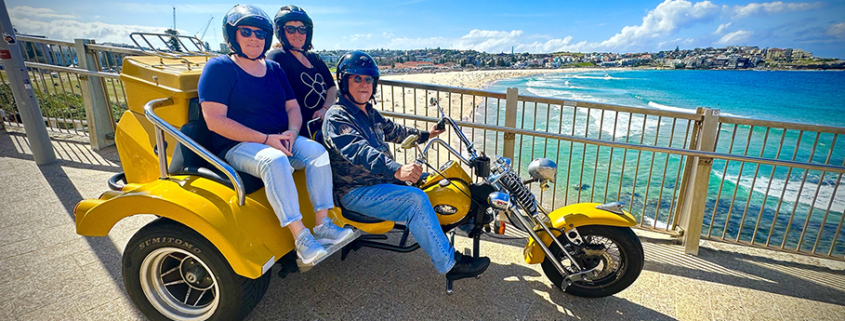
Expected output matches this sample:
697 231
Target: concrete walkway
48 272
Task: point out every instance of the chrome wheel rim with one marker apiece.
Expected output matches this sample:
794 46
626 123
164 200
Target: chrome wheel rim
179 285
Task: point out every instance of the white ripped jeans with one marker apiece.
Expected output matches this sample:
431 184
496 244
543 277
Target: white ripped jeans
276 169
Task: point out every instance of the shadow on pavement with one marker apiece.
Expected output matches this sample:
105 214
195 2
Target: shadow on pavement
760 273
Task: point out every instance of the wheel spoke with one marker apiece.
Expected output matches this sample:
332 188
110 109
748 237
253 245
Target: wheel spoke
170 271
187 295
174 282
198 299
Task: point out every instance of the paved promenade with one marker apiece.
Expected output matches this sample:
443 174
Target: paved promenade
48 272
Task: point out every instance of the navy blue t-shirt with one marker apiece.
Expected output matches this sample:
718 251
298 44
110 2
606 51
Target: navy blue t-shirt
255 102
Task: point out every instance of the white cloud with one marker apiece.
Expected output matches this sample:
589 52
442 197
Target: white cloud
70 29
357 37
735 38
667 18
38 13
675 42
771 7
837 30
722 28
417 43
489 40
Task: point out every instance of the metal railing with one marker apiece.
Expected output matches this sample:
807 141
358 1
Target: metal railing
73 80
647 159
767 184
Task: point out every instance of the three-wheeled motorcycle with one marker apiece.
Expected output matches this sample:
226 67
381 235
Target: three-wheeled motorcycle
209 252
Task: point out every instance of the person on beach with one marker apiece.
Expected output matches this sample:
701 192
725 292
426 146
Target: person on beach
250 108
309 76
366 177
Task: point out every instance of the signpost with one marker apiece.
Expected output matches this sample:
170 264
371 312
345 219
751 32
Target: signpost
13 63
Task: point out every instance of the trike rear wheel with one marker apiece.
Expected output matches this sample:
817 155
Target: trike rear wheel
173 273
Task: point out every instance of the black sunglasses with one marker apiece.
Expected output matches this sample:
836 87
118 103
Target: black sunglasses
246 32
358 79
291 29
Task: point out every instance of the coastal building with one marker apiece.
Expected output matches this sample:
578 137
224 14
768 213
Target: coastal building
774 54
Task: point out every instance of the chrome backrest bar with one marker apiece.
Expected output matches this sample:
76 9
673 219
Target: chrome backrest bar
161 125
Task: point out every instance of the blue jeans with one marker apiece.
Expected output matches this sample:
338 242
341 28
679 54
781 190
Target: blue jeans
276 170
405 204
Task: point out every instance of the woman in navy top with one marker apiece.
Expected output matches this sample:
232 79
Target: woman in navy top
249 106
309 76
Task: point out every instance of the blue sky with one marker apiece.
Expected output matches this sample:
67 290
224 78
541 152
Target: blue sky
491 26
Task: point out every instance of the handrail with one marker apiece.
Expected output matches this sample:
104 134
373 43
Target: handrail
162 126
129 51
73 70
46 41
449 89
657 149
781 124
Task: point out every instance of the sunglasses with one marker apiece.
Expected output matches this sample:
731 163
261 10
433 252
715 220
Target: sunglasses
301 29
246 33
358 79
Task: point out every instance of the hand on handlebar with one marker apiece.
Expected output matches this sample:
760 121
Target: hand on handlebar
437 129
409 173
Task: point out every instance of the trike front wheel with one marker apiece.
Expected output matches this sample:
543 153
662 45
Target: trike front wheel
615 252
173 273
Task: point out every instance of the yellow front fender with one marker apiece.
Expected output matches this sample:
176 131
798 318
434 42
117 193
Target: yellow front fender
248 236
573 216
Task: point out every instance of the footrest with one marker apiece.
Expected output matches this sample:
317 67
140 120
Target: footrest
332 249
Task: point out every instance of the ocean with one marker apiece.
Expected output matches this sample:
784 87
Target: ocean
767 201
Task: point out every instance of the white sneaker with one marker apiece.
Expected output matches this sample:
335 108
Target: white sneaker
328 234
307 248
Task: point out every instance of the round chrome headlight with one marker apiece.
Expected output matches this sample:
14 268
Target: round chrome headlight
543 168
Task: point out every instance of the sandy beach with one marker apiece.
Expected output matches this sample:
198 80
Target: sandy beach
478 79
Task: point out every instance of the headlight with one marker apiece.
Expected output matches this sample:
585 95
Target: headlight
543 169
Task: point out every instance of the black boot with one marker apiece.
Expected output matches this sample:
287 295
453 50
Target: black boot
467 267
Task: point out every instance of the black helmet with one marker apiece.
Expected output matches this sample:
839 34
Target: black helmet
293 13
246 15
356 63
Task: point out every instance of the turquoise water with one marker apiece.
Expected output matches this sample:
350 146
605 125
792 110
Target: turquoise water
764 197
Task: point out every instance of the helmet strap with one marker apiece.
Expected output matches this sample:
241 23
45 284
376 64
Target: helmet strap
242 55
352 98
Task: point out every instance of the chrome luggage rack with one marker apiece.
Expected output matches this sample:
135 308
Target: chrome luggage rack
198 47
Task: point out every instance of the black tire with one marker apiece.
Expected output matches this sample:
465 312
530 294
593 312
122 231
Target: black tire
166 263
622 261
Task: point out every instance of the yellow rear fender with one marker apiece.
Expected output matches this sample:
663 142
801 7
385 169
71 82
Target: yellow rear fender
573 216
250 237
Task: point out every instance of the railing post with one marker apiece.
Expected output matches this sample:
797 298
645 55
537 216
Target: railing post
692 215
510 121
97 109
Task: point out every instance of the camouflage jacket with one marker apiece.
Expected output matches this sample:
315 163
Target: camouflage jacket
357 146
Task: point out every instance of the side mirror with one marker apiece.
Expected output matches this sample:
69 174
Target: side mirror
410 142
432 101
543 169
